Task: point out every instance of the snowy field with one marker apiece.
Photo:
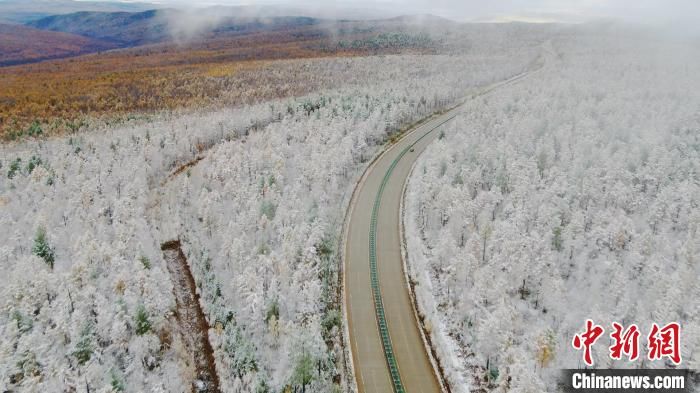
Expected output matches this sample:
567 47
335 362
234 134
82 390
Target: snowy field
86 301
572 195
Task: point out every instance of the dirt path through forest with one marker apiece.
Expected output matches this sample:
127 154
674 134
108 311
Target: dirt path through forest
192 326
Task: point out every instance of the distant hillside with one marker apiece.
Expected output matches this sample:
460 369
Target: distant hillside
21 44
104 30
121 28
423 19
133 29
23 11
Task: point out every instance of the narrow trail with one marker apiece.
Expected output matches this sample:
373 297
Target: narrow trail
192 324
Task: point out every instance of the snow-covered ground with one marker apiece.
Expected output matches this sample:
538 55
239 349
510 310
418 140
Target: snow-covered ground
86 301
572 195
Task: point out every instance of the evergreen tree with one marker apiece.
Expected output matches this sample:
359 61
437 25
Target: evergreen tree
42 249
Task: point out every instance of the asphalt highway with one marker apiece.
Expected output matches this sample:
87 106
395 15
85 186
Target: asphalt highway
384 349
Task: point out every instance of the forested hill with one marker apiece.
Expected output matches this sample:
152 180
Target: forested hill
23 11
138 28
43 45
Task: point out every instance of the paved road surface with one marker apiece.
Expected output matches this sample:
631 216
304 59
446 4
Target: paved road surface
371 367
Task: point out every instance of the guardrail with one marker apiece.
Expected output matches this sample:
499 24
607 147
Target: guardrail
374 274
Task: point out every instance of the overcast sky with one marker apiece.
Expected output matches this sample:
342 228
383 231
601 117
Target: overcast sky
658 12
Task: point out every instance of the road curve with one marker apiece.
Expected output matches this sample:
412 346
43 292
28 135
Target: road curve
394 347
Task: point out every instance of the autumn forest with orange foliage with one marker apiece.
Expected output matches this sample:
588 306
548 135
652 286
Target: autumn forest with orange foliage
59 96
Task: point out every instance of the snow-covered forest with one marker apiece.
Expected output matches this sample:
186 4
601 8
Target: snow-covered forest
256 194
573 194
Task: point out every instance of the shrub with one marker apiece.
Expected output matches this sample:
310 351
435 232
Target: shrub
35 129
331 319
29 365
263 249
262 385
116 382
145 262
493 374
143 325
14 168
325 247
273 310
33 163
24 324
547 348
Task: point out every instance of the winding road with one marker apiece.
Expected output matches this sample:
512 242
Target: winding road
388 351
